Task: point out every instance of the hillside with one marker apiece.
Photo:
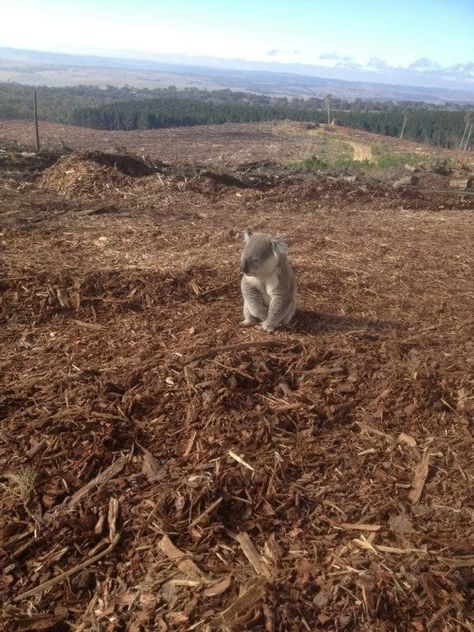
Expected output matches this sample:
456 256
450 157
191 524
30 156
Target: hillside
163 468
284 142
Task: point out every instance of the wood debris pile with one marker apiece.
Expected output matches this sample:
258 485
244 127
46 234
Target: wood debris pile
164 469
87 175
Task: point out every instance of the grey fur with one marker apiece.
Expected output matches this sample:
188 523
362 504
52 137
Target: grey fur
268 282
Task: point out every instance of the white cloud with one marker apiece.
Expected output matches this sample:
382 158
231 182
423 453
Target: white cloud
378 64
424 64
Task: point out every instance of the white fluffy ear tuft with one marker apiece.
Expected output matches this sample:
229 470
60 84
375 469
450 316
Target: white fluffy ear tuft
279 247
248 232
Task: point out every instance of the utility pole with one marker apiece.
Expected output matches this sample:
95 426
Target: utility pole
35 113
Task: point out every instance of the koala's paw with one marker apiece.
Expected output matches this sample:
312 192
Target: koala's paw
247 323
268 327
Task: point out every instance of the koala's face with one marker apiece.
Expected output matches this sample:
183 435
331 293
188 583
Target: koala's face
259 254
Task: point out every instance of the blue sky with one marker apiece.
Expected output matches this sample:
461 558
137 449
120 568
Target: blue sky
378 36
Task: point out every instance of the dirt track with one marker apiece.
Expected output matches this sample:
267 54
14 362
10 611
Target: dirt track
361 152
324 473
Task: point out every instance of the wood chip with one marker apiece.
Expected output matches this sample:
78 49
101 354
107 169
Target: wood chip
185 565
219 587
112 517
36 449
393 549
240 460
258 562
401 524
419 479
366 544
360 526
153 471
195 287
382 548
243 604
408 439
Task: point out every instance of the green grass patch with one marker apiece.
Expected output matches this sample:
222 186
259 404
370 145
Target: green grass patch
382 159
313 163
316 163
334 153
385 158
349 163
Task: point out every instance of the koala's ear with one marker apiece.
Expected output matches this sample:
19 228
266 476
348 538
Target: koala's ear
248 232
279 247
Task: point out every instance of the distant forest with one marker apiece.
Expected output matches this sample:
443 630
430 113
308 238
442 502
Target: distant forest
127 108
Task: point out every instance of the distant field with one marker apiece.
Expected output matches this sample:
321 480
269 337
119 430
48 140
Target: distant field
55 69
71 76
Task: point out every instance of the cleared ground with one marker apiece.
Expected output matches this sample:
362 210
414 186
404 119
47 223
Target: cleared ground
221 145
164 469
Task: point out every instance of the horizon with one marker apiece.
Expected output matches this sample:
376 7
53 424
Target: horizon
168 63
353 42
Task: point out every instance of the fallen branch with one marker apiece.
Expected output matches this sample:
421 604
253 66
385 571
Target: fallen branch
68 573
99 480
113 539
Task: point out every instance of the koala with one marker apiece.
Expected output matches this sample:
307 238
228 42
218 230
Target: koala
268 282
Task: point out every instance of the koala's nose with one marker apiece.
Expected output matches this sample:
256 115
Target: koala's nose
244 266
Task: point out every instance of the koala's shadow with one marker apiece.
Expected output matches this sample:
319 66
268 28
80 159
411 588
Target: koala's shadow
311 322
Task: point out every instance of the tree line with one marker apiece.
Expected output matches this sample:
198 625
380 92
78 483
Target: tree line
127 108
439 127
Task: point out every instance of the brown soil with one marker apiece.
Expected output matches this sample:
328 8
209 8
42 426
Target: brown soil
229 144
162 468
